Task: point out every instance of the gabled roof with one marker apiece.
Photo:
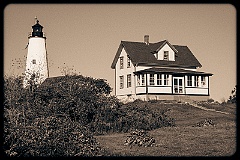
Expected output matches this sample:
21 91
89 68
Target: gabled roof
142 54
166 42
172 71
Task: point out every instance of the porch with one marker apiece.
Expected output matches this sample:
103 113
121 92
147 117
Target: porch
172 81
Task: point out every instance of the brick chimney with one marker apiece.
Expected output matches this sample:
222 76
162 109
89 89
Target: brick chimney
146 39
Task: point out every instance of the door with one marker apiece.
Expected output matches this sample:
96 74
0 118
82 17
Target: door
178 85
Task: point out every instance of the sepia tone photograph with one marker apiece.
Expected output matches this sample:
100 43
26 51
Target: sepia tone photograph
119 80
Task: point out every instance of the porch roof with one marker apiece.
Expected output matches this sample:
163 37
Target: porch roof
173 71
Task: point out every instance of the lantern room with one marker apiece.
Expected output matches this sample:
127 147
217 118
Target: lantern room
37 30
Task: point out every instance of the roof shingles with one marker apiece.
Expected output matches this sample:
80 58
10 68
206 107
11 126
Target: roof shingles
142 54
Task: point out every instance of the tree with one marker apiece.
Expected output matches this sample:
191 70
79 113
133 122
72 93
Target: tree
233 97
48 120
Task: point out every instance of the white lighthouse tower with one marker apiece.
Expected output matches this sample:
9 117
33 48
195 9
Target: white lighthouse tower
36 64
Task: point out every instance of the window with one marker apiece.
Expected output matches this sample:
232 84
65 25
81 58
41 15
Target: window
138 79
128 80
159 79
189 80
166 79
121 82
151 80
143 79
203 81
121 62
165 55
34 61
128 63
196 81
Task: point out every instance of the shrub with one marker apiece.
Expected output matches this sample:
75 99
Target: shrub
210 100
139 138
60 116
48 120
233 97
130 116
52 136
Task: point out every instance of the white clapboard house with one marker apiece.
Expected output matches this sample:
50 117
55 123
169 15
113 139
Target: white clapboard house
159 71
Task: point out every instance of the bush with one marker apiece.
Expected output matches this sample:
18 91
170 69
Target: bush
52 136
130 116
210 100
139 138
233 97
60 116
49 120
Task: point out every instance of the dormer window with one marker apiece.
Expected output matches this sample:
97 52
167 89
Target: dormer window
166 55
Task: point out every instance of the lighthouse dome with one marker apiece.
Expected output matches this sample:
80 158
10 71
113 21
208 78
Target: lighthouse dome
37 30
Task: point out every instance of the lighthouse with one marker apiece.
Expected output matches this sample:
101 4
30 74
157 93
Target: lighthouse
36 63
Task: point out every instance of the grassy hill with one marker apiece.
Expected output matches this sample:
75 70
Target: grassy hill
183 139
64 115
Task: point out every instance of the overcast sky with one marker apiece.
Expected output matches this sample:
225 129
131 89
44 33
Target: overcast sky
86 37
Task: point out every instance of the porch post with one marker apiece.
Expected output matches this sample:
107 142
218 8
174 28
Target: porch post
146 87
184 84
135 81
208 86
172 84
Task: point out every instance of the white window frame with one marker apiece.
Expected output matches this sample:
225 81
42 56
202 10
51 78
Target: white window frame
166 55
203 81
165 79
151 79
121 62
138 80
143 80
189 80
128 62
121 80
159 79
34 61
129 78
196 84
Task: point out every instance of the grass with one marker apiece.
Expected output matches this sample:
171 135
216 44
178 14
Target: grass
230 108
184 139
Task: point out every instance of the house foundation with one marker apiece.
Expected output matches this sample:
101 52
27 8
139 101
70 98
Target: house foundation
182 98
